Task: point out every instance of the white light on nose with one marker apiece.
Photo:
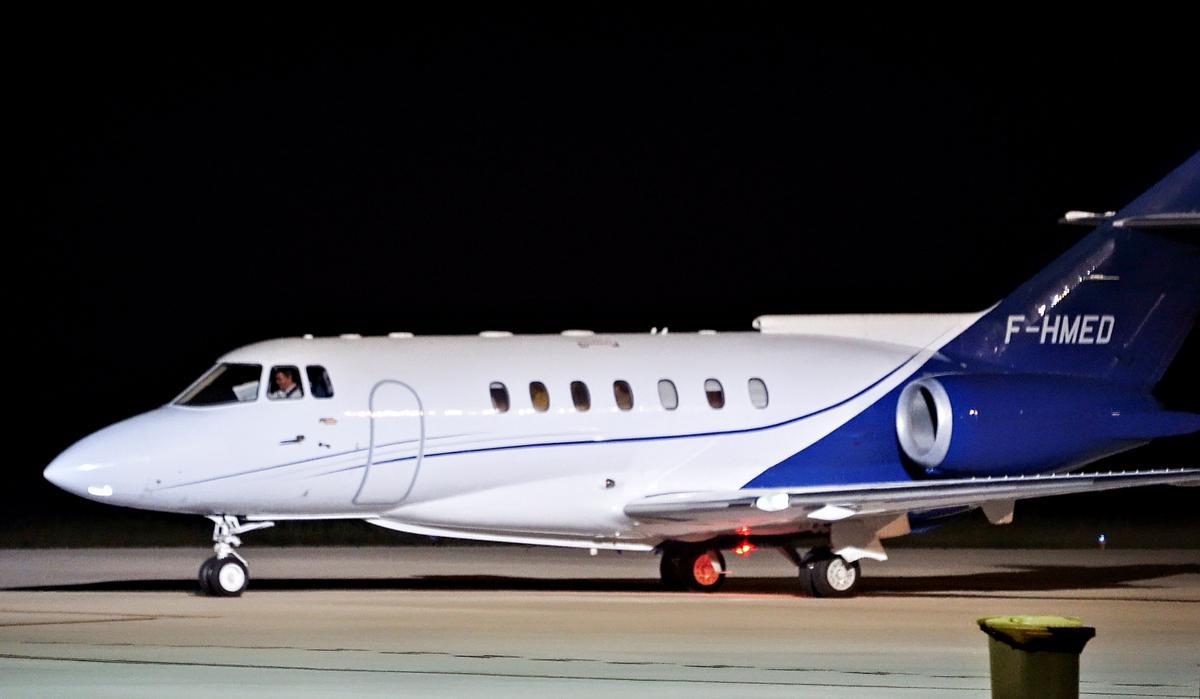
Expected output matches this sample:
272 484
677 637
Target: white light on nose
100 491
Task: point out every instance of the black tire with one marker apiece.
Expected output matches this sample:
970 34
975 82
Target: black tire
668 570
830 576
807 588
227 577
205 572
702 569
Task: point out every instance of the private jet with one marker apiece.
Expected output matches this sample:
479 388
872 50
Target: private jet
820 436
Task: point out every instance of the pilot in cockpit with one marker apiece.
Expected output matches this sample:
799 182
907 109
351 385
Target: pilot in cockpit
285 384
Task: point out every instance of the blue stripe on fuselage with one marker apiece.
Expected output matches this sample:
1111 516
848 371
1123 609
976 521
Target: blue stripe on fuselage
564 443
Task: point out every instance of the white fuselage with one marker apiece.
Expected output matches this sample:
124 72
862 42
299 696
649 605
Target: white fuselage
445 460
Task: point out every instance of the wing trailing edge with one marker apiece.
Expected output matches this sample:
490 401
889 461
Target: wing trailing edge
826 504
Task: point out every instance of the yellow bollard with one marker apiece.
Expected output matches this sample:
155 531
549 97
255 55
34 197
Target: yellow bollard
1035 656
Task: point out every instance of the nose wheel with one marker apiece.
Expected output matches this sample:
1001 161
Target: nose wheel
223 577
226 573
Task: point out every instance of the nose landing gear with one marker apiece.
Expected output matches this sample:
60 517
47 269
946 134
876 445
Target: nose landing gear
226 574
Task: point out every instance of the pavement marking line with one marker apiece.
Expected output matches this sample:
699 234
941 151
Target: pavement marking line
75 621
499 656
513 675
974 595
130 614
102 617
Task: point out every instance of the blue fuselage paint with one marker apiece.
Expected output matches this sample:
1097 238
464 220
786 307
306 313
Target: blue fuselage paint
863 450
1003 424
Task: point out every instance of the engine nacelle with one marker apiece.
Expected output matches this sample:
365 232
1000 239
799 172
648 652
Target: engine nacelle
988 424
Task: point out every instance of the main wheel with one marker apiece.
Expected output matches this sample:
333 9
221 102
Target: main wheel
829 576
703 570
668 569
227 577
692 568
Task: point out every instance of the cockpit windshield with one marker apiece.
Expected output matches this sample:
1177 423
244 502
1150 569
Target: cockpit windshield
224 383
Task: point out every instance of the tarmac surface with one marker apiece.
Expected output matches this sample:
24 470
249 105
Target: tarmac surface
508 621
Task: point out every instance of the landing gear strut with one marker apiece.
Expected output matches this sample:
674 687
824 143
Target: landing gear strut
699 568
226 573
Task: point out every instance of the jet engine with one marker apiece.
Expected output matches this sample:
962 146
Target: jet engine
992 424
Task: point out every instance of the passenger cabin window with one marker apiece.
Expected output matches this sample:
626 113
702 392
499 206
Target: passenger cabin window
539 396
758 393
715 394
580 396
499 396
223 384
667 394
284 383
623 395
318 381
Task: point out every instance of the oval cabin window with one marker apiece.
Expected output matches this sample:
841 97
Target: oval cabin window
539 396
580 396
715 394
667 394
499 396
758 393
623 394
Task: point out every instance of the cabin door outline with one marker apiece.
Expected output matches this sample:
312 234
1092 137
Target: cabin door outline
396 444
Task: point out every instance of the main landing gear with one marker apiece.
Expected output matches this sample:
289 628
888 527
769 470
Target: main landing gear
700 567
696 568
825 574
226 573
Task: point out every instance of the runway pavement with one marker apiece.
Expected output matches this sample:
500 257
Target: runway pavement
506 621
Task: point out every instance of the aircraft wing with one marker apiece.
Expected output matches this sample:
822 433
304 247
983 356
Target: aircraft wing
880 501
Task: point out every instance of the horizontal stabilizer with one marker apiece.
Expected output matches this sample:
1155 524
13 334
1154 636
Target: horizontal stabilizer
1184 219
1170 219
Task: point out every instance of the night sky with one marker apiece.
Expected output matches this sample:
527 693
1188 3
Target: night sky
193 184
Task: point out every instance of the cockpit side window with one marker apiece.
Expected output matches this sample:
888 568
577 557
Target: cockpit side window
223 384
284 383
319 382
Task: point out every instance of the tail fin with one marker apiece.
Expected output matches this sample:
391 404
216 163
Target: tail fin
1116 306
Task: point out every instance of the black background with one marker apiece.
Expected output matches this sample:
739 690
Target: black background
196 183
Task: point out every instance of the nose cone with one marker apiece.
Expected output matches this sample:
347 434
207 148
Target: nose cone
79 472
58 473
111 465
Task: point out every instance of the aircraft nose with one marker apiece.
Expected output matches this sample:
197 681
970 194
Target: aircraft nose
75 472
115 464
58 473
